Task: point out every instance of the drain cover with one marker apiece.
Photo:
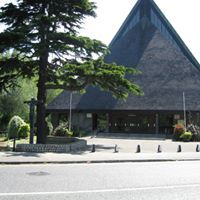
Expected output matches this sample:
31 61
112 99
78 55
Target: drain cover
40 173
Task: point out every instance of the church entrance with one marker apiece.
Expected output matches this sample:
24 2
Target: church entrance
132 123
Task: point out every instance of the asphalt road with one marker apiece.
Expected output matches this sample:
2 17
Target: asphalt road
122 181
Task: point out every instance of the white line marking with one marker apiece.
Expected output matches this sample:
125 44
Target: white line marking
101 190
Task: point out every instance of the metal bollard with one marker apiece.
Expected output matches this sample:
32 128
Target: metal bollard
159 149
116 150
14 143
138 150
179 148
93 148
197 148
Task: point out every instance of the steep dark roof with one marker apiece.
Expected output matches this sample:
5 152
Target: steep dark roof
149 10
147 41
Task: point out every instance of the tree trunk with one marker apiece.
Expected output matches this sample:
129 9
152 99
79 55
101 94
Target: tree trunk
41 97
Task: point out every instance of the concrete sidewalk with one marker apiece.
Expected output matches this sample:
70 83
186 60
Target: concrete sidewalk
148 145
98 157
104 152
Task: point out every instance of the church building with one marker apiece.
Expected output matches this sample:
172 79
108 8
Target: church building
148 42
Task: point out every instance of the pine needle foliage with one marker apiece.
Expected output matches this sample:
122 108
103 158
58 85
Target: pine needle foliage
42 37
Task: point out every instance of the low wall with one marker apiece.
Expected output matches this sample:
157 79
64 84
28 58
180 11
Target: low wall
56 148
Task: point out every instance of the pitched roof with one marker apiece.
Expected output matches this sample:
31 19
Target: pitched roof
147 41
149 10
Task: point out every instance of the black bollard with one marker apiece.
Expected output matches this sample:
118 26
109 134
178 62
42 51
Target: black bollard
116 150
197 148
159 149
14 142
93 148
179 148
138 150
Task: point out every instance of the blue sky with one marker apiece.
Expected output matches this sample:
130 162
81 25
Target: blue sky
184 15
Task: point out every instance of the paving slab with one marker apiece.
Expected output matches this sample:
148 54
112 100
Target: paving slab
104 152
129 145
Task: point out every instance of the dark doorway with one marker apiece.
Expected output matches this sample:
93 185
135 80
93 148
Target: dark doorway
100 122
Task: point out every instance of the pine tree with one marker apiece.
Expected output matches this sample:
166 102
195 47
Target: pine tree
43 38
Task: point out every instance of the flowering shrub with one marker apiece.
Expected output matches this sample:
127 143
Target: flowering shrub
179 129
186 136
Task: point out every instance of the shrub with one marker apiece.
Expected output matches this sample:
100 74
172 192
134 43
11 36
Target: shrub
14 126
195 132
78 132
178 131
24 131
83 133
187 136
49 128
62 130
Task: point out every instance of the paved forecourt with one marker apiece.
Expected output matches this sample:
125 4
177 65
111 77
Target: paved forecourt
112 150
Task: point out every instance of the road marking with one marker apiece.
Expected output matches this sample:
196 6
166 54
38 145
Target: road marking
101 190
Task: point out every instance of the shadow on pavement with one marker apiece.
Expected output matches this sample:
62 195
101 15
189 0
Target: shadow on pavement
79 152
87 149
24 154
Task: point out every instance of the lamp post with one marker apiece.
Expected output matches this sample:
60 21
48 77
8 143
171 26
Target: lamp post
70 104
184 110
